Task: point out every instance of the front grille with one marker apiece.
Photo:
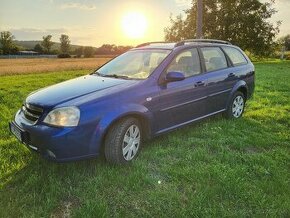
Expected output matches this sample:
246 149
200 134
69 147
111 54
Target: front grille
31 112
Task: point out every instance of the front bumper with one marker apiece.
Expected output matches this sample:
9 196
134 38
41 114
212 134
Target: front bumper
60 144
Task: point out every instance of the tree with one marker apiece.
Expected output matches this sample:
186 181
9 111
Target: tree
38 48
47 43
108 49
54 52
244 23
285 41
64 44
121 49
15 49
7 44
79 51
88 52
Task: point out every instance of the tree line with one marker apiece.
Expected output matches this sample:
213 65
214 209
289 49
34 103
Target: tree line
9 46
243 23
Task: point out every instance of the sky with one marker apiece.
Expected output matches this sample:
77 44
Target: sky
97 22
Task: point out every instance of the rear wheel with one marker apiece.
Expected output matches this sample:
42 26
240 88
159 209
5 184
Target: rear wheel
237 106
123 141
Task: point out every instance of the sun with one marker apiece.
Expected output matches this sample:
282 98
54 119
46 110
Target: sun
134 25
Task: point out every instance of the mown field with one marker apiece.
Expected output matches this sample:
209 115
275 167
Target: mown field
43 65
216 168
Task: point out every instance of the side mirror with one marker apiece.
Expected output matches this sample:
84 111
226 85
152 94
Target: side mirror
174 76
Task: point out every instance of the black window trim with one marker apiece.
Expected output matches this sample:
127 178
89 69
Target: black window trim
161 77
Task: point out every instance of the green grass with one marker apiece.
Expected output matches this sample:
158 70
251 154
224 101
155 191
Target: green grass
214 168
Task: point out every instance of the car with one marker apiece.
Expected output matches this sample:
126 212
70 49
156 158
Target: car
147 91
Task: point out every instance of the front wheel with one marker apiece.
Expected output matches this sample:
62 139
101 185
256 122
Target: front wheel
123 141
237 105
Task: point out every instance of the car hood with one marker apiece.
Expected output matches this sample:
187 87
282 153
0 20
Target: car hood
71 89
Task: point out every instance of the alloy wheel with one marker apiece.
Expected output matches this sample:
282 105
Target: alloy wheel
131 142
238 106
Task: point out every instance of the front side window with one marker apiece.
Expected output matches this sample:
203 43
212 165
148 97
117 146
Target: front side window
235 55
137 64
187 63
214 58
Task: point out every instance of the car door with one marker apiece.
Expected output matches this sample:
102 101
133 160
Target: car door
220 78
240 67
182 101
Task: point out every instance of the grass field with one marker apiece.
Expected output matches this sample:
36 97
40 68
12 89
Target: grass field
43 65
214 168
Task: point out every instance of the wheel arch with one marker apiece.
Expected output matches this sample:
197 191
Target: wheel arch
243 90
144 121
143 118
240 86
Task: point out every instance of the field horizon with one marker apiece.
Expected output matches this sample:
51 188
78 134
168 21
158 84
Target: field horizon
44 65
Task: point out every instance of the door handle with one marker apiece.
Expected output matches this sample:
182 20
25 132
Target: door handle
231 75
199 83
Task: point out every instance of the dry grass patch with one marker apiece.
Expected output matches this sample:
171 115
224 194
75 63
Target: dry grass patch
37 65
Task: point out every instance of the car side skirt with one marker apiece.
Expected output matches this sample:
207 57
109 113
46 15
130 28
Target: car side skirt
188 122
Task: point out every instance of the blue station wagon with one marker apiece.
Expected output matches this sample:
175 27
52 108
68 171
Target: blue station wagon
147 91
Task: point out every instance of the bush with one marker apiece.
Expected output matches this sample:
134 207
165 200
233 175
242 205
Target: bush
63 56
79 52
54 52
89 52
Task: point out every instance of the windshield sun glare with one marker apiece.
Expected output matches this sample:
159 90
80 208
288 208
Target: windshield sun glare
137 64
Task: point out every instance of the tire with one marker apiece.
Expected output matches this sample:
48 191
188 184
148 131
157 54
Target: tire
237 106
123 141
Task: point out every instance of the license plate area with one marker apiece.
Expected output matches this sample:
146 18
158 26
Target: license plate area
20 134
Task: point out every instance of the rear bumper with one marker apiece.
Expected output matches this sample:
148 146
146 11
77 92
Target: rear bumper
60 144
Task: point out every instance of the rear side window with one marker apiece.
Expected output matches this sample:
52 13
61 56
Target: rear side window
214 58
186 62
235 55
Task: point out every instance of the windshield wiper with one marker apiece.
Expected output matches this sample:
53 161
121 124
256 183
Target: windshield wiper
111 75
96 73
116 76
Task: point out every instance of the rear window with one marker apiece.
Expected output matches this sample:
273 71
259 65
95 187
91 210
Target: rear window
214 58
236 56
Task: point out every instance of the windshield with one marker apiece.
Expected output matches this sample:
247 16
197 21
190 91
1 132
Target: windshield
137 64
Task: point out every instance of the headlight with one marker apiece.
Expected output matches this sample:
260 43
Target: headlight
65 116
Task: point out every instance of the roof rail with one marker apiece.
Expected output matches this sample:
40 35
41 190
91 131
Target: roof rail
202 40
149 43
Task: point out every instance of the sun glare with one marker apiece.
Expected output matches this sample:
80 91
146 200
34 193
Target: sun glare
134 25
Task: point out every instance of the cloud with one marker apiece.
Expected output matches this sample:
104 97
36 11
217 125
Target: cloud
75 5
183 3
42 31
47 1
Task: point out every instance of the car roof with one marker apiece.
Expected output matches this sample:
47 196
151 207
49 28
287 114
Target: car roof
183 44
157 46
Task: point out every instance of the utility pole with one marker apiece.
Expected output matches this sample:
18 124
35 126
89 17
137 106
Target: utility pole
199 34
